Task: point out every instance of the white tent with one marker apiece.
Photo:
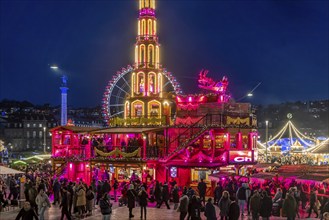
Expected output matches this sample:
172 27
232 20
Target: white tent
6 170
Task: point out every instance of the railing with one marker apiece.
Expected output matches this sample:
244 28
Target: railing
118 151
142 120
222 120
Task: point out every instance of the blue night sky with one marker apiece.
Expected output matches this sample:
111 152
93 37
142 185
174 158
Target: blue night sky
283 44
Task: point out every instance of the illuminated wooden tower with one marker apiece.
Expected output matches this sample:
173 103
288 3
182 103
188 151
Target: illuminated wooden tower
147 98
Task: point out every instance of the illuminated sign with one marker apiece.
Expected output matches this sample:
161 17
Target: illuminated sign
173 172
240 157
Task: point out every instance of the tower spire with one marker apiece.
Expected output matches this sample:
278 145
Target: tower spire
147 46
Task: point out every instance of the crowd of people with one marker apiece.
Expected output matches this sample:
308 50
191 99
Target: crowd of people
233 198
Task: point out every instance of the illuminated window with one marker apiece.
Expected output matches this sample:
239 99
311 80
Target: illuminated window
28 125
34 134
151 54
143 30
40 134
40 125
149 27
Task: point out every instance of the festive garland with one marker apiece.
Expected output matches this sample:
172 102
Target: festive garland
117 152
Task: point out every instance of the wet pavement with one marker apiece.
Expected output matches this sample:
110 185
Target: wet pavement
121 213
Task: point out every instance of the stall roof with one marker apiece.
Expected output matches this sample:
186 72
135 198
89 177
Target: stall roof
125 130
75 129
6 170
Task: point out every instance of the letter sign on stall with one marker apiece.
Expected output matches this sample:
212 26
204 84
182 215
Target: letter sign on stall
240 157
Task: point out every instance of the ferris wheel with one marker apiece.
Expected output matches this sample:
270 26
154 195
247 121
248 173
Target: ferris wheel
119 88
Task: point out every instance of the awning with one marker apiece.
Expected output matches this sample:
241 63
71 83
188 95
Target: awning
6 170
126 130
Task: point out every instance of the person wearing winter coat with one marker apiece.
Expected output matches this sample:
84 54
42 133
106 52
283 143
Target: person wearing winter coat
290 206
65 203
266 206
81 199
218 193
105 206
234 210
210 211
278 196
194 208
224 205
313 201
175 196
183 206
27 213
255 205
202 188
32 195
90 200
131 195
242 197
165 196
42 201
157 193
142 195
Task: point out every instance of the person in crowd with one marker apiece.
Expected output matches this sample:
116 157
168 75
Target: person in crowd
32 192
99 191
325 209
265 206
27 213
105 206
248 196
313 201
290 206
165 196
70 196
224 205
194 209
278 195
81 199
190 193
90 201
56 189
202 188
42 201
65 203
131 195
210 211
157 193
234 210
14 188
175 196
142 195
115 188
255 205
183 206
27 187
106 188
218 193
242 198
3 200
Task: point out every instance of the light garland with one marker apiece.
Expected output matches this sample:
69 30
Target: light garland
116 152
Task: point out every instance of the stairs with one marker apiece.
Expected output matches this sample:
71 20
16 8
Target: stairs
186 143
191 133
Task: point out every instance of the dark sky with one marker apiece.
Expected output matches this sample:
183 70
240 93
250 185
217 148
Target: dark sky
283 44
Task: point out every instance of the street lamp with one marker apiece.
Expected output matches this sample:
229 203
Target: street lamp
44 139
266 137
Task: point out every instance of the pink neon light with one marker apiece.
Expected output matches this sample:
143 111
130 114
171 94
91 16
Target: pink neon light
190 99
70 165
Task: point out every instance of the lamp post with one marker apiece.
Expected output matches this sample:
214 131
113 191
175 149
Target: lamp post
44 139
266 137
